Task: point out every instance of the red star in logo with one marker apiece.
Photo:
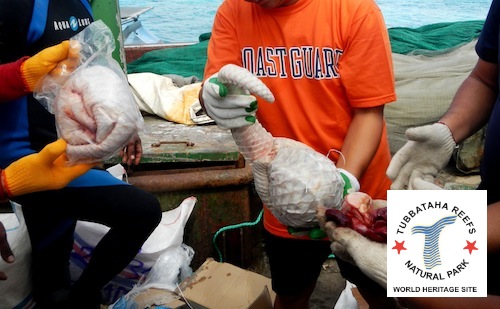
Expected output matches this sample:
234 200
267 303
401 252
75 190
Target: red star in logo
399 246
470 246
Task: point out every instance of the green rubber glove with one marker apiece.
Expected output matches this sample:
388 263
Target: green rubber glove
229 106
227 97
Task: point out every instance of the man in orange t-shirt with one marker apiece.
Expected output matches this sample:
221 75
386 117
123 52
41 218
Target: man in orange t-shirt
329 66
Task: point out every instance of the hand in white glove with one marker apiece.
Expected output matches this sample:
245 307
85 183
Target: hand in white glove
227 99
420 184
427 151
367 255
348 245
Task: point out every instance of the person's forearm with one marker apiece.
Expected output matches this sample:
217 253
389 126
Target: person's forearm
473 102
362 140
12 85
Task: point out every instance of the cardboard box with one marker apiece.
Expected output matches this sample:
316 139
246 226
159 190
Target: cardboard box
214 285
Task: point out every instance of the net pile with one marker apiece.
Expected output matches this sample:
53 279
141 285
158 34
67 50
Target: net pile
430 63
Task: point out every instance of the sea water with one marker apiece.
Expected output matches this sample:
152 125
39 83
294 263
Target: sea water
176 21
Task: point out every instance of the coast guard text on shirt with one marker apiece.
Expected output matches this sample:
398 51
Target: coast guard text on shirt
302 61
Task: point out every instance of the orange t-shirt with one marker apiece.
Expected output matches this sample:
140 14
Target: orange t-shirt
320 59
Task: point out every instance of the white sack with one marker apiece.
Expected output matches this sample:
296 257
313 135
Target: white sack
159 95
169 233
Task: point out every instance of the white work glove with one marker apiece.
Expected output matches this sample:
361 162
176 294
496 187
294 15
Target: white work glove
348 245
369 256
420 184
427 151
227 99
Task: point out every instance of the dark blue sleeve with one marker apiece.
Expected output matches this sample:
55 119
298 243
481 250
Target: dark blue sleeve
487 45
15 18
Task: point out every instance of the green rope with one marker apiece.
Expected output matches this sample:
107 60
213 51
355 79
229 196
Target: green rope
232 227
240 225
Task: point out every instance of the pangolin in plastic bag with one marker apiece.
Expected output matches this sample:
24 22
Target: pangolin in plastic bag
291 178
89 95
96 114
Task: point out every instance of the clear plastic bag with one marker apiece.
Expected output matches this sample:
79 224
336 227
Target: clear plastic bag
90 97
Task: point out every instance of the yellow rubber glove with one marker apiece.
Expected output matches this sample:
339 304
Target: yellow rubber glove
36 67
46 170
65 67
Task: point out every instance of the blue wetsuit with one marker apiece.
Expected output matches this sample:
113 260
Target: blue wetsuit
26 27
487 49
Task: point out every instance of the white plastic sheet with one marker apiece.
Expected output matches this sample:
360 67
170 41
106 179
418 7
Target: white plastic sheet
167 235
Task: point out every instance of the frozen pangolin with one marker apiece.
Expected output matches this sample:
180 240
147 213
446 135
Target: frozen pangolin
291 178
96 114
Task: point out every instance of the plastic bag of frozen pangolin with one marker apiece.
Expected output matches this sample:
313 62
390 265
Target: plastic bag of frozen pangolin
90 97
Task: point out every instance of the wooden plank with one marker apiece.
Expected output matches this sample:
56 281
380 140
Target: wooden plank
208 143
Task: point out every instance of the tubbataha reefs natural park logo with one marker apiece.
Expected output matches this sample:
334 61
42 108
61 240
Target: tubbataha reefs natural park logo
436 243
